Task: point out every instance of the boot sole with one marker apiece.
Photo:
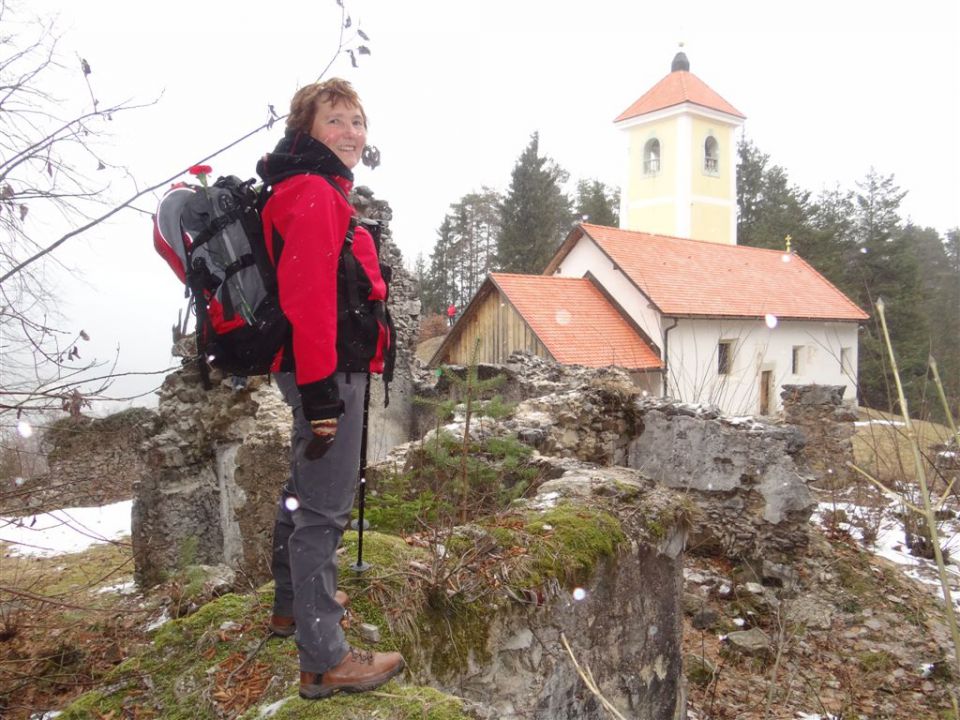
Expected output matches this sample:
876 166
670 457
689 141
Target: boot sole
324 692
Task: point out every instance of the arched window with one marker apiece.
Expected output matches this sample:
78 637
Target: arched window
651 157
711 156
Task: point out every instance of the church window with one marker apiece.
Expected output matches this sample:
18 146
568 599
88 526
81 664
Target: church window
846 361
724 357
651 157
711 156
797 362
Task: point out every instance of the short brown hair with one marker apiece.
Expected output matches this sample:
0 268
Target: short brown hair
303 107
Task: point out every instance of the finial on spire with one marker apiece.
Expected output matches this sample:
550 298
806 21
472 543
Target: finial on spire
680 62
787 240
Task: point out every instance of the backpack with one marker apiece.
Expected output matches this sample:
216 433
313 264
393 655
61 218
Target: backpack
212 238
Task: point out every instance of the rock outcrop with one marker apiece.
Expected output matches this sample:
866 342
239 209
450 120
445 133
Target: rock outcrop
741 472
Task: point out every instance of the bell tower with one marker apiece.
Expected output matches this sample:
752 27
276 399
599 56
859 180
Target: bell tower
681 175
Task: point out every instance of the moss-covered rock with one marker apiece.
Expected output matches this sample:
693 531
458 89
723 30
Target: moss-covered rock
221 662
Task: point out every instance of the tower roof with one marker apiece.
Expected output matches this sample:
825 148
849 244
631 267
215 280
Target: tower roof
680 86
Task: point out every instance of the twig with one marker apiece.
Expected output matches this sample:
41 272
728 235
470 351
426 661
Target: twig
250 656
96 221
892 493
587 678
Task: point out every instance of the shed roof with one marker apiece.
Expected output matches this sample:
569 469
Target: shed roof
575 322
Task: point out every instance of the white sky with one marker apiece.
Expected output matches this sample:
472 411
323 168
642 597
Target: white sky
454 90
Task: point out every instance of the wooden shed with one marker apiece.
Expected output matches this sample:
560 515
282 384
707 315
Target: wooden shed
568 320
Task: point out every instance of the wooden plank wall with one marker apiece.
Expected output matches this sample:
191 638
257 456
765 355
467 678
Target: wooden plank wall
501 331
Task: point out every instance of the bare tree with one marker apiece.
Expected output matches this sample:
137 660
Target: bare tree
52 174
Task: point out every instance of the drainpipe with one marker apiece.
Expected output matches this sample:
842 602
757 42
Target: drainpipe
665 346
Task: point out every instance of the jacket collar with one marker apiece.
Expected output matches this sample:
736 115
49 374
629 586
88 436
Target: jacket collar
298 153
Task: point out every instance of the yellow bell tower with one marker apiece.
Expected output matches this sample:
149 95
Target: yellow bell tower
681 160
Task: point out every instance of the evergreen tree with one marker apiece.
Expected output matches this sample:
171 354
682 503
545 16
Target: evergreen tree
833 246
769 207
420 269
438 288
535 215
940 303
886 266
475 222
597 204
949 326
464 252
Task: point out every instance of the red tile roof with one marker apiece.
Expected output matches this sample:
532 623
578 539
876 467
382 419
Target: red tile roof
575 322
695 278
678 87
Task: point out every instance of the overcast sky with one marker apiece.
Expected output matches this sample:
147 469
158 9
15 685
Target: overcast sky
454 90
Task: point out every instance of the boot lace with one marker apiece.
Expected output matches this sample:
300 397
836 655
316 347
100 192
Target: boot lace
361 656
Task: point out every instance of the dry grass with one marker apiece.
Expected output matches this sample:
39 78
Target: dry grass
58 633
882 448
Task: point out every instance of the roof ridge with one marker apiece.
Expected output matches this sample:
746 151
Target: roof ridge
677 237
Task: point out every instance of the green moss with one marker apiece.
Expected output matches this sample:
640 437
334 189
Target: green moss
206 619
878 661
393 701
63 574
187 553
569 540
699 671
383 595
457 632
504 537
173 676
88 704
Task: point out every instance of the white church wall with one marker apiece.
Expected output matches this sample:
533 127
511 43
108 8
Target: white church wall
585 257
813 349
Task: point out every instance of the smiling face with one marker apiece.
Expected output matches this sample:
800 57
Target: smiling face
341 128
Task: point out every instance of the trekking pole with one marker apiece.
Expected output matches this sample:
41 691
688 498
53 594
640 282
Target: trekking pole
360 524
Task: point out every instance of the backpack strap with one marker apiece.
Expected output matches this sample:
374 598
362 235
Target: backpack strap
346 252
218 224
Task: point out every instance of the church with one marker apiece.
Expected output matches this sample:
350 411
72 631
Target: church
669 295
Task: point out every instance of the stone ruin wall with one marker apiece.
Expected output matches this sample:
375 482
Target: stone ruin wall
214 470
827 423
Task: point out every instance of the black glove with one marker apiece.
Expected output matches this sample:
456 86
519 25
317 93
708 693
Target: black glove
322 407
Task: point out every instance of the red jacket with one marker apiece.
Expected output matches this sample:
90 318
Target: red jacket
305 224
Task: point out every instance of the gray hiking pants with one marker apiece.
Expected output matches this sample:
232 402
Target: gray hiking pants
305 539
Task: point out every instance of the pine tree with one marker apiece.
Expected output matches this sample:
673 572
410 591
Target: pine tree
769 207
940 302
949 327
886 266
597 204
535 215
833 246
475 223
438 288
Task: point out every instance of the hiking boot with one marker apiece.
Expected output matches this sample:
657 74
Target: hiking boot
285 626
359 671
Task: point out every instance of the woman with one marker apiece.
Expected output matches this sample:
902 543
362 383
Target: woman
331 290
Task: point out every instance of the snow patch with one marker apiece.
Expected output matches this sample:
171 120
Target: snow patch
65 531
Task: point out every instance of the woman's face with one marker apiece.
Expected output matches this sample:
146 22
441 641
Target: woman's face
342 129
